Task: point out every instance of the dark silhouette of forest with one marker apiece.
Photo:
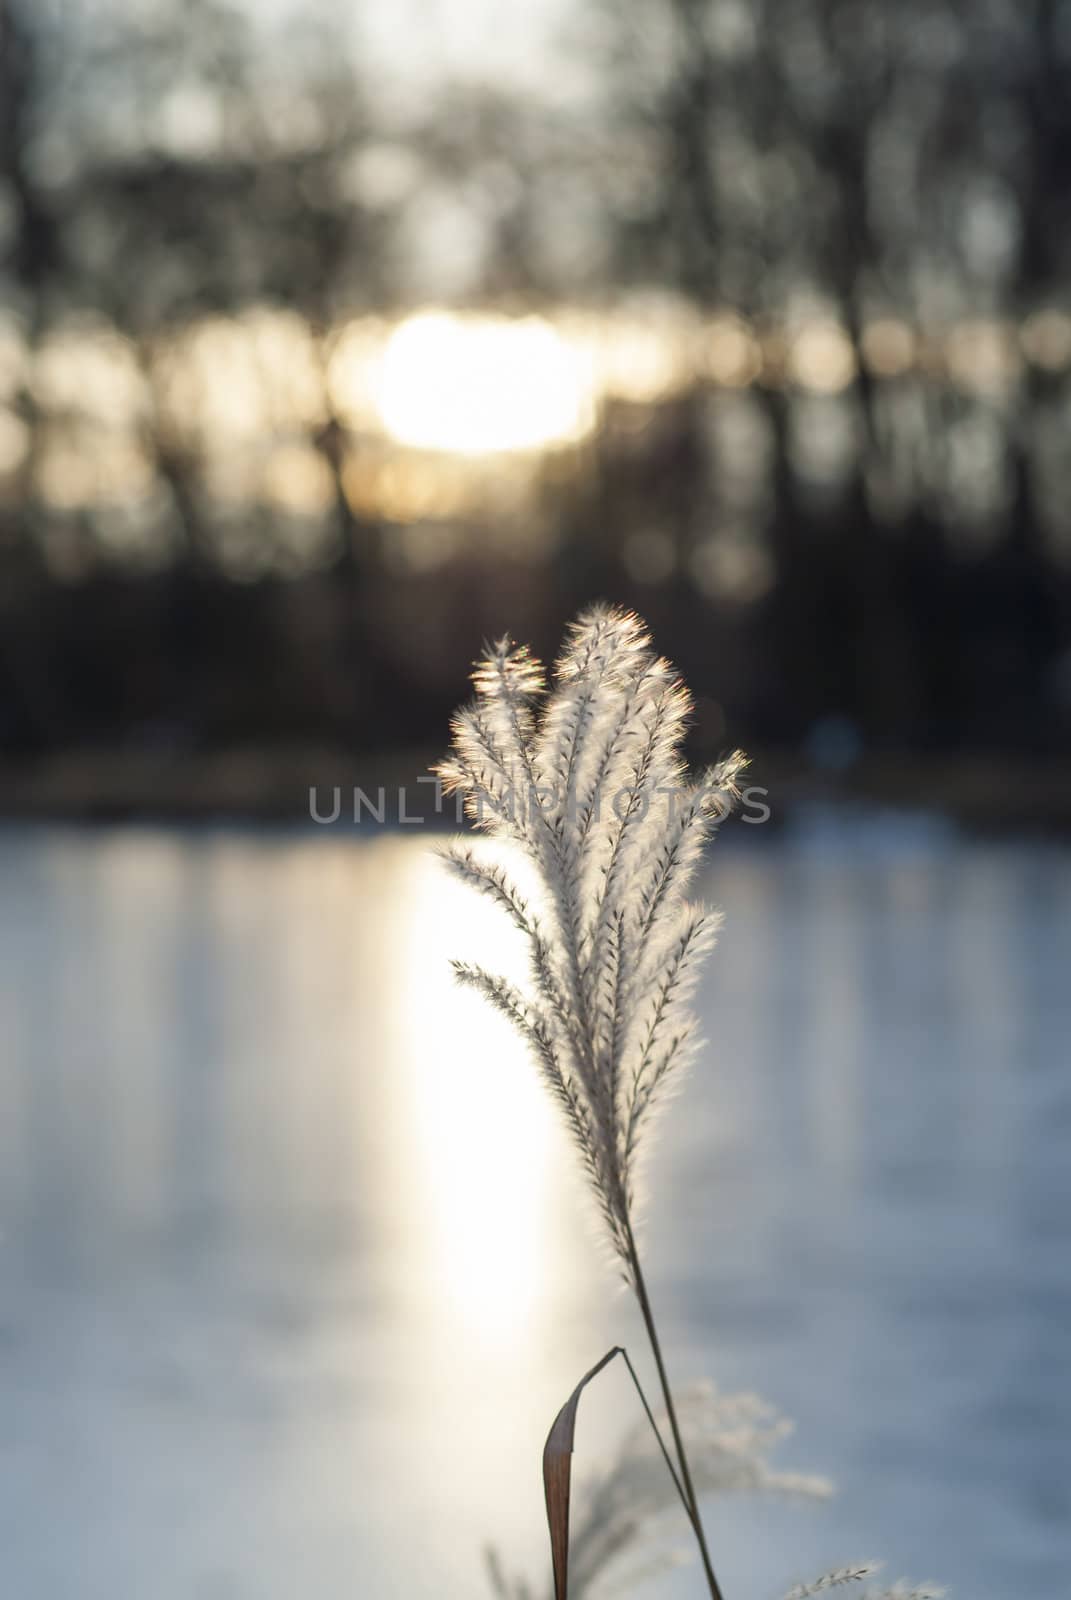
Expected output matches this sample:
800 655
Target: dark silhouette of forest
857 546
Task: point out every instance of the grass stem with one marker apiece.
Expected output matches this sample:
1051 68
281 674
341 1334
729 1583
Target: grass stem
682 1457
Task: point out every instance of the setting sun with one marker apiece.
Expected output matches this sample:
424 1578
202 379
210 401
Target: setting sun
479 385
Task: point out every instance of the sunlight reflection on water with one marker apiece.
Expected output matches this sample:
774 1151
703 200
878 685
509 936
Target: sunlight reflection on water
484 1160
293 1273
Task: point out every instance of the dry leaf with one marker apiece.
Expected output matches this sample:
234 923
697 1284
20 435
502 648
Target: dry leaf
557 1476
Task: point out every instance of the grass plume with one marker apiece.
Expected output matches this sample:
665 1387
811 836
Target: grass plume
586 777
901 1590
590 783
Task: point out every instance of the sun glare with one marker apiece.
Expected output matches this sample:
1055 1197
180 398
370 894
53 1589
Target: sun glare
480 385
489 1162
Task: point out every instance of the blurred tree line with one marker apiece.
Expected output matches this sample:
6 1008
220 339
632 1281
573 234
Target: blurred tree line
850 222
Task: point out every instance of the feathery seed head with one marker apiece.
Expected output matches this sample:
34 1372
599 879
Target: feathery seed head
900 1590
507 666
833 1580
590 783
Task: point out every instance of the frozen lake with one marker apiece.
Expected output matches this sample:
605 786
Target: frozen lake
293 1277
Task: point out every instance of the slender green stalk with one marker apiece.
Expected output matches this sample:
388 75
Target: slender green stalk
682 1457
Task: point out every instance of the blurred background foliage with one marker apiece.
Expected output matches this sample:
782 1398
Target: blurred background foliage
333 340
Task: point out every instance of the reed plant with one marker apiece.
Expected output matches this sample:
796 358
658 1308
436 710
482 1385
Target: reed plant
587 780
